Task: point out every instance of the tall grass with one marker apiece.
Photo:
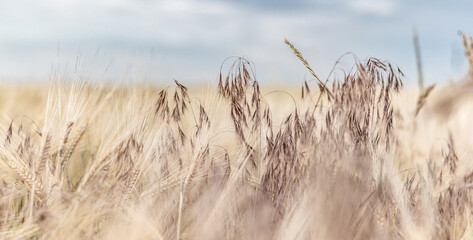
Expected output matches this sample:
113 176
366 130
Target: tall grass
362 159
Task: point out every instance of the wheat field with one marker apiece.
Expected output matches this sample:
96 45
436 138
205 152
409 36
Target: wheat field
358 157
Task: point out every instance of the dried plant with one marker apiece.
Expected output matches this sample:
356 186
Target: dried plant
423 97
140 162
468 46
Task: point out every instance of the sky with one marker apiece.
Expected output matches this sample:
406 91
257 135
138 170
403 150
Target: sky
188 40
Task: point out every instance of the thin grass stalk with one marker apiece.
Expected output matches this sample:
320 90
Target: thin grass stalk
306 64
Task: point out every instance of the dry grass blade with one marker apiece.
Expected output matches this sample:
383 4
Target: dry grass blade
423 97
306 64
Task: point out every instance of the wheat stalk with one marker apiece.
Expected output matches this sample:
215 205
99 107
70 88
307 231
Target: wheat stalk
422 98
306 64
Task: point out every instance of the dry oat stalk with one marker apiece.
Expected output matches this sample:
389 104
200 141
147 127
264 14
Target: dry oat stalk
423 97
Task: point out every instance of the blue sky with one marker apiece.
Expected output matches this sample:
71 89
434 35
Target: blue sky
188 40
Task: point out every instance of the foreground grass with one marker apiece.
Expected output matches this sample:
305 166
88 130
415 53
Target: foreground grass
367 161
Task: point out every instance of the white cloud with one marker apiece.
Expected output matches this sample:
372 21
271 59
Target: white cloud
193 7
196 35
377 7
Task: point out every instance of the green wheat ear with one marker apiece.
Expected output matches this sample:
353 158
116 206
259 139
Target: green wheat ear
306 64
